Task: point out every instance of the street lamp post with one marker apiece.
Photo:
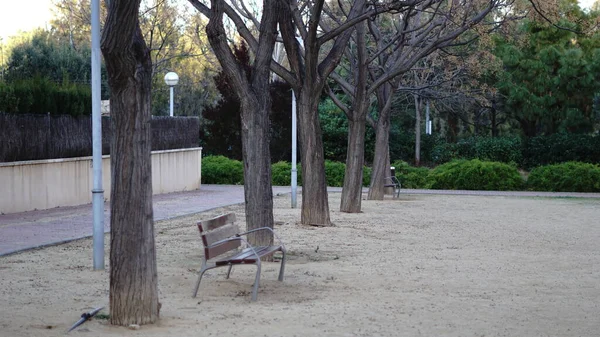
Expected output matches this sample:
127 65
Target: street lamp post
98 190
294 137
294 143
171 79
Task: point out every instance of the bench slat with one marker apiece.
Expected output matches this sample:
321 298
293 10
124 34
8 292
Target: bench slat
214 223
219 234
210 253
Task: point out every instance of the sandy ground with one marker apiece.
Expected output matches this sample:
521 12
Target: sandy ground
423 265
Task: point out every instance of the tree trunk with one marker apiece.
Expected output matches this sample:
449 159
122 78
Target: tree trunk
417 130
308 78
133 276
352 190
253 91
258 191
315 202
452 134
381 159
494 114
355 154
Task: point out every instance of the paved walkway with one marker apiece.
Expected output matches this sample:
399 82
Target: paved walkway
27 230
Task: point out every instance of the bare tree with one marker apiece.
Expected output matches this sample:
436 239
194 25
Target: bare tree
255 100
427 27
324 38
308 72
133 276
397 41
310 66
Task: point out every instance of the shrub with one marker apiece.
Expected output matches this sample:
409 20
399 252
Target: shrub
42 96
411 177
444 152
281 174
222 170
561 147
8 100
366 176
565 177
334 173
476 175
500 149
466 149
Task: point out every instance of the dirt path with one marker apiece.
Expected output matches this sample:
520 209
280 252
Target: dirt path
424 265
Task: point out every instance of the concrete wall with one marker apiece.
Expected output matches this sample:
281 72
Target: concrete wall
42 184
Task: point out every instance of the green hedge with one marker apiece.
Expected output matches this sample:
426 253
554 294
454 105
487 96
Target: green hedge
528 153
411 177
367 176
42 96
497 149
565 177
222 170
476 175
334 173
281 173
561 148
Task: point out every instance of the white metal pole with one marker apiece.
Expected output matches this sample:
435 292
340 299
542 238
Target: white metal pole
171 113
427 120
294 137
97 191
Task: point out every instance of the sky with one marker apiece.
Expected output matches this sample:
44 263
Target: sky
21 15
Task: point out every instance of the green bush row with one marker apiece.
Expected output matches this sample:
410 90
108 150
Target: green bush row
499 149
42 96
222 170
480 175
475 175
527 153
410 176
565 177
455 175
561 148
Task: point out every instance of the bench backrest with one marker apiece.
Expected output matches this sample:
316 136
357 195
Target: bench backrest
217 229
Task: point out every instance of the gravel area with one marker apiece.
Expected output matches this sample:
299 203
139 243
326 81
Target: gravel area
420 265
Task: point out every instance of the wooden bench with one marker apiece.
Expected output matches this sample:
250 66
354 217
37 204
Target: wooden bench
393 182
221 236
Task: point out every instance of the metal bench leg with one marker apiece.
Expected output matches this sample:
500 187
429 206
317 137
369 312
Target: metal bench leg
203 269
256 282
229 271
282 268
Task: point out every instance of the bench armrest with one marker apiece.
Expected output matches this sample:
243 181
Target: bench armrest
260 229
